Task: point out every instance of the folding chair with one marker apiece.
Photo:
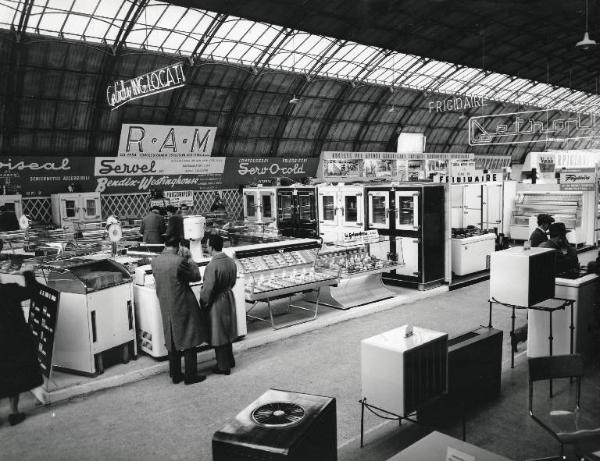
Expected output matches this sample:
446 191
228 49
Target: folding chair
569 427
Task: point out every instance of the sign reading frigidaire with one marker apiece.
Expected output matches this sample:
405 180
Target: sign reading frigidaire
164 79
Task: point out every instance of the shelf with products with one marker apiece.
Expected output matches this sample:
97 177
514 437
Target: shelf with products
282 270
354 259
360 265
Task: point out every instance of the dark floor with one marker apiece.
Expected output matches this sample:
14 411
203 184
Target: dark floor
154 419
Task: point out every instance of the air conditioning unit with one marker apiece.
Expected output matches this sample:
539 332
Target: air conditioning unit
474 376
401 371
522 277
280 425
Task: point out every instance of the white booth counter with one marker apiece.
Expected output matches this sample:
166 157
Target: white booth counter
147 309
472 254
583 291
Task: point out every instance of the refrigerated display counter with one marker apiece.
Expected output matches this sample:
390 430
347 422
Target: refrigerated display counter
95 313
471 253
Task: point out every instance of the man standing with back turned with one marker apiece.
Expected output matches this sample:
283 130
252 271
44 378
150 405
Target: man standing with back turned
217 297
182 321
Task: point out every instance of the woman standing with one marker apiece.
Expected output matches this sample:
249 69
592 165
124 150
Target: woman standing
19 367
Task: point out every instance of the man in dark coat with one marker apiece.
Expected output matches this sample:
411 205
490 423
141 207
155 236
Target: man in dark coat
539 234
19 367
153 226
182 322
217 298
8 220
566 256
174 223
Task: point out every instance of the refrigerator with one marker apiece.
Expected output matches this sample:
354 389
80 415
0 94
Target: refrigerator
413 216
74 208
341 210
297 211
478 205
13 202
260 204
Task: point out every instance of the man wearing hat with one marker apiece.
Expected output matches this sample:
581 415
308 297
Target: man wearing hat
539 234
153 226
566 256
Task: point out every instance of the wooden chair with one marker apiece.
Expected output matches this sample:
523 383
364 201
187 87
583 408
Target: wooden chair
569 427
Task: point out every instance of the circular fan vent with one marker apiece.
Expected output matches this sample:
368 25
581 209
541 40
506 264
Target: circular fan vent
278 414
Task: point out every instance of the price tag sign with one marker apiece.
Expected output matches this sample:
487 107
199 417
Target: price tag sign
43 316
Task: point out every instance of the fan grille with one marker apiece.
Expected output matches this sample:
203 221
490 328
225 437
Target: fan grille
278 414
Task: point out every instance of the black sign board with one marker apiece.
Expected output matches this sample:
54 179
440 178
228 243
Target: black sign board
43 317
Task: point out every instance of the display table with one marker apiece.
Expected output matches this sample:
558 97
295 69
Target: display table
435 446
471 254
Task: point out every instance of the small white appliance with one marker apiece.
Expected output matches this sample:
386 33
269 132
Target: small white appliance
472 254
402 370
193 230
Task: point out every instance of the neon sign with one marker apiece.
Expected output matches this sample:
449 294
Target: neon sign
164 79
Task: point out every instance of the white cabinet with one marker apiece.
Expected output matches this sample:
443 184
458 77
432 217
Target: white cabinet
71 208
341 210
478 205
260 204
13 202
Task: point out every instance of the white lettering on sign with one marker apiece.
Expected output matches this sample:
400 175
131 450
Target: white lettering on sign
489 177
273 169
165 79
48 166
456 104
120 166
530 127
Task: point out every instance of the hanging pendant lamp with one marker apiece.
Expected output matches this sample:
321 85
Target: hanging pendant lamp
586 43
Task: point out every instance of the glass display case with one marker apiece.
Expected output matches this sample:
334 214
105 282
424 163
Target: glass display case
360 271
280 270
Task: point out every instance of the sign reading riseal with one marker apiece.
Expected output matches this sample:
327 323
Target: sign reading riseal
164 79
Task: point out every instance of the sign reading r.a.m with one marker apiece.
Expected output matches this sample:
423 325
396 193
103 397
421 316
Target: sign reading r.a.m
165 141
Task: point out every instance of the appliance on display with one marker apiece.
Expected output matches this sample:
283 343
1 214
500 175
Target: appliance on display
401 373
115 233
478 205
341 210
70 210
522 277
280 425
297 211
193 230
471 252
573 208
260 204
474 375
581 288
413 217
96 313
13 202
280 270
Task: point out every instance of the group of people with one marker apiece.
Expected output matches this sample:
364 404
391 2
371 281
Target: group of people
551 234
187 323
155 230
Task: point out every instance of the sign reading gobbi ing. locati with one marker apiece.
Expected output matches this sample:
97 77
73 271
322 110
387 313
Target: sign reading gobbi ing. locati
164 79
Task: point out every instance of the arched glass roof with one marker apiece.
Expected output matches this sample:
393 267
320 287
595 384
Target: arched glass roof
199 34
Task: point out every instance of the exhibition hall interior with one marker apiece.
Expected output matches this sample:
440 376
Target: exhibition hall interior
300 230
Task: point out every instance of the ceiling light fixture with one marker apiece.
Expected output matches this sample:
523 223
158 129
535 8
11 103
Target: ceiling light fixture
294 100
392 109
586 43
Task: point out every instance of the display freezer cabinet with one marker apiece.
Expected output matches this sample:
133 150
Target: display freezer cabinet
297 211
95 313
69 209
260 204
472 254
341 210
149 322
413 217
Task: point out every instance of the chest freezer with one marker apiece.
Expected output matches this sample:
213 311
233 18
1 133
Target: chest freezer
472 254
151 337
95 313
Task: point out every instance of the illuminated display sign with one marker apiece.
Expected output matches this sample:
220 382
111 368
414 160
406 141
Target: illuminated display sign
165 79
530 127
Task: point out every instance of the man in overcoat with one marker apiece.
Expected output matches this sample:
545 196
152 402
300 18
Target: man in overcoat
217 298
153 226
182 319
539 235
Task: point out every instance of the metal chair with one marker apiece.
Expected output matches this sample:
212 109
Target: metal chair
569 427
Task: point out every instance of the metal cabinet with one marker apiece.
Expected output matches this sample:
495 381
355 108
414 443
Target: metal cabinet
70 209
